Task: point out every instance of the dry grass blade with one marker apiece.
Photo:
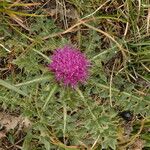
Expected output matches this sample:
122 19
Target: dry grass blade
64 32
109 36
96 10
7 11
81 21
24 14
148 21
24 35
145 67
13 4
114 38
5 48
133 138
19 21
24 5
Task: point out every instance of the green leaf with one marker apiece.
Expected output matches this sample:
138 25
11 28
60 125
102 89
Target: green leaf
27 141
35 80
12 87
46 142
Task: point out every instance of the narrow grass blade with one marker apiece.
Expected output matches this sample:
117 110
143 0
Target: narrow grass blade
102 53
44 56
88 107
7 11
12 87
5 48
22 34
65 121
39 79
23 4
49 97
118 91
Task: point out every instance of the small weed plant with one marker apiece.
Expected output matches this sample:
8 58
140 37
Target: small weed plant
79 71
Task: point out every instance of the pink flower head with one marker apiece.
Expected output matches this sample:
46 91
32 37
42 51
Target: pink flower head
69 65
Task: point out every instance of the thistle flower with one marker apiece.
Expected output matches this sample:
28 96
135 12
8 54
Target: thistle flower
69 65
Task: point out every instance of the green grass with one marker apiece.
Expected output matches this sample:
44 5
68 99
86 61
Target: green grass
114 35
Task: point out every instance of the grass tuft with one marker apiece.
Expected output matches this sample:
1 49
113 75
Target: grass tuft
114 36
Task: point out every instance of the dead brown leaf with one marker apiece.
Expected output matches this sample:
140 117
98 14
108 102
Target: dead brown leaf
2 134
137 145
9 122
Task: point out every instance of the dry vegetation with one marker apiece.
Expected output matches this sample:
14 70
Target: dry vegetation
110 112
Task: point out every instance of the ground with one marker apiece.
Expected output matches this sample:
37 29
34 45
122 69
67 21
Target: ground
111 110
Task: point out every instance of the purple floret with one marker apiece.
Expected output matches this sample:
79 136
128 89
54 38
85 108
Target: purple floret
69 65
